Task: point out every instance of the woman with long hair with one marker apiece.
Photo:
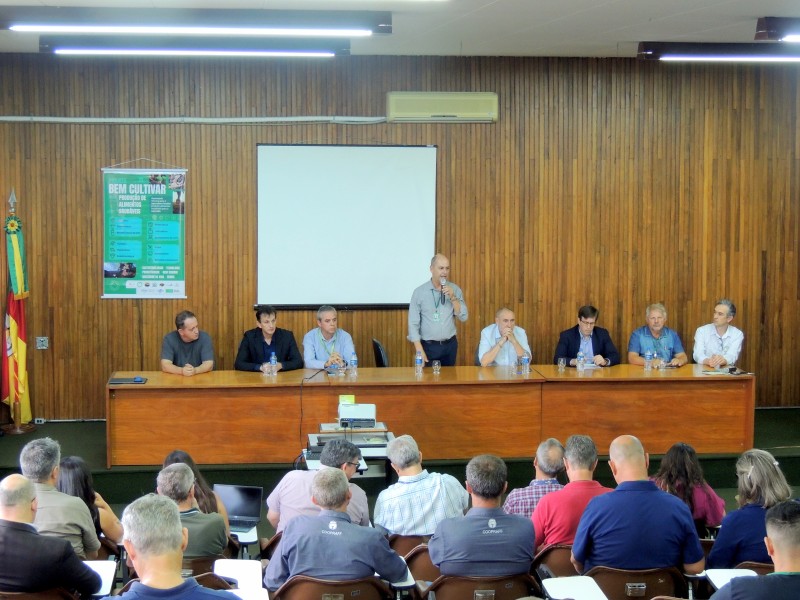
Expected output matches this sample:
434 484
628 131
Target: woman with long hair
681 475
761 485
75 479
208 501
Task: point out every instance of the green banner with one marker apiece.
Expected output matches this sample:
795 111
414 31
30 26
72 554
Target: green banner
144 248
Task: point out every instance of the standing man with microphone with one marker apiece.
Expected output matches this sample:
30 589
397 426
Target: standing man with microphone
432 314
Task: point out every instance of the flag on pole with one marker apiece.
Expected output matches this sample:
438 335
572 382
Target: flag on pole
14 388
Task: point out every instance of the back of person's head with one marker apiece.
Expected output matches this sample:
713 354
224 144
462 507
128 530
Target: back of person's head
175 481
588 312
581 452
550 457
75 479
202 490
680 471
487 476
628 459
339 451
38 459
760 479
182 317
152 524
16 491
265 309
783 525
403 452
329 488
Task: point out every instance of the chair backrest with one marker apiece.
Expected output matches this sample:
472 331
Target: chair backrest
212 581
269 547
381 359
403 544
420 564
759 568
302 587
246 573
512 587
477 356
553 561
52 594
198 565
622 584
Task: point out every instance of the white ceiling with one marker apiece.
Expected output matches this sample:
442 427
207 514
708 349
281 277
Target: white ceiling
603 28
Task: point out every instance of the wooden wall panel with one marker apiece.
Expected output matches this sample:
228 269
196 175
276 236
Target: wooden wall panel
605 181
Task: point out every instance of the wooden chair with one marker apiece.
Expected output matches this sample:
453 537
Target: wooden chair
622 584
268 546
553 561
301 587
420 565
451 587
759 568
198 565
52 594
403 544
381 359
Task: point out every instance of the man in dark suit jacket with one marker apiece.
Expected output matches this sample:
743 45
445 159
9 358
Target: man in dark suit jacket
30 562
258 344
603 351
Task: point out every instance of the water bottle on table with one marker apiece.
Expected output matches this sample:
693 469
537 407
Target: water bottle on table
580 363
648 361
353 364
273 364
418 364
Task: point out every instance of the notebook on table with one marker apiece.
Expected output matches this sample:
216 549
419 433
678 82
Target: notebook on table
243 503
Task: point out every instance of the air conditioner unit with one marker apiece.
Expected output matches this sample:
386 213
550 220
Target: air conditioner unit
441 107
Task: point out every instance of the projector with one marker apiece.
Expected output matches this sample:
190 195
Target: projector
357 416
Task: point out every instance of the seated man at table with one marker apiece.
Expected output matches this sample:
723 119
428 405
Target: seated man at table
207 535
30 562
547 464
718 344
503 343
187 350
486 542
292 496
586 337
258 344
657 338
783 546
419 500
557 515
57 514
328 545
155 540
637 526
327 345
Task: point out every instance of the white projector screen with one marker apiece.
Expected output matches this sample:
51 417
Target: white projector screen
344 225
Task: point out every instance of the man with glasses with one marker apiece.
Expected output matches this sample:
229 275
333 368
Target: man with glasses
657 338
718 344
586 337
292 496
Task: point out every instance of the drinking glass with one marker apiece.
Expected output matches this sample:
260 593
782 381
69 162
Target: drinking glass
562 363
437 366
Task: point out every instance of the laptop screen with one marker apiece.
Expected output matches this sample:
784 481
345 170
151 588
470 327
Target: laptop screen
241 501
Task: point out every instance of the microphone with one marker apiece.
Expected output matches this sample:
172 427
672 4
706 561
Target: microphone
443 282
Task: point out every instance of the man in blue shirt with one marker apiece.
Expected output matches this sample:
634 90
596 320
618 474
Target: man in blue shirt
503 343
656 338
637 526
327 345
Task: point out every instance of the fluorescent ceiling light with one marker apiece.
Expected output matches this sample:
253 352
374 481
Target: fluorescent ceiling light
719 52
166 52
180 30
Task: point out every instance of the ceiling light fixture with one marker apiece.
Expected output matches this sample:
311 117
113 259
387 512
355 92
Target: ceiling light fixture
778 29
718 52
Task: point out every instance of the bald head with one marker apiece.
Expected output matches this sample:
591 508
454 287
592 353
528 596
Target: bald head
628 459
17 495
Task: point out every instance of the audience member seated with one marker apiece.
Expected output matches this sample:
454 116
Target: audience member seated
783 546
30 562
486 541
207 535
637 526
155 541
761 485
208 501
556 517
292 496
547 464
681 475
326 344
328 545
75 479
419 500
258 344
58 514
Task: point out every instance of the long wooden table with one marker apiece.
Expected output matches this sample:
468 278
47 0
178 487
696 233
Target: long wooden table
234 417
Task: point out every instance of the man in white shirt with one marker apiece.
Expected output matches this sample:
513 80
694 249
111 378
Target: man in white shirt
503 343
718 344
